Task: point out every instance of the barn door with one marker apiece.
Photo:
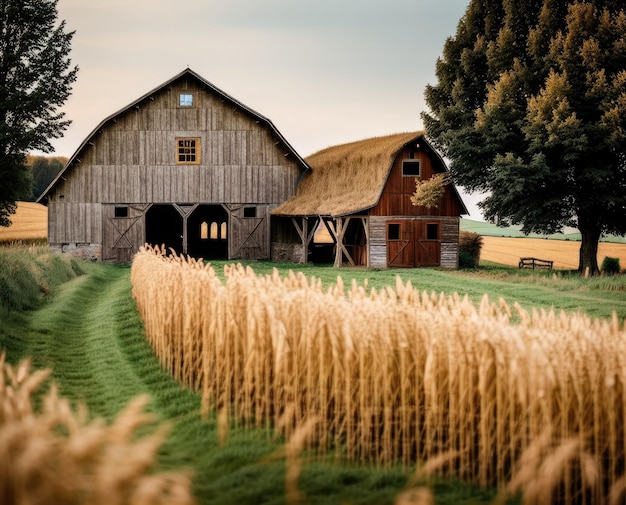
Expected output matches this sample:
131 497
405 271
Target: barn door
428 243
249 238
413 243
400 244
123 231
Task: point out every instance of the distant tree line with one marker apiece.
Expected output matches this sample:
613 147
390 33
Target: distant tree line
41 171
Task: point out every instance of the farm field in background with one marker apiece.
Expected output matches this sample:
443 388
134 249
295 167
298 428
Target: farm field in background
564 253
30 223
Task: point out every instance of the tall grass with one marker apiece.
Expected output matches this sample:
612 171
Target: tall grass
55 454
395 375
29 273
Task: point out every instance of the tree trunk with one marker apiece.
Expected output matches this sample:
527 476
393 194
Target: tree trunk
588 256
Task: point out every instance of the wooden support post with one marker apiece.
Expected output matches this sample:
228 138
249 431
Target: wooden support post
341 227
306 234
364 221
185 211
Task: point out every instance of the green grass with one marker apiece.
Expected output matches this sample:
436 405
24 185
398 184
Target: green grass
562 290
87 330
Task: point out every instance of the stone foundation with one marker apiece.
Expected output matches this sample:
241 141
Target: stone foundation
84 251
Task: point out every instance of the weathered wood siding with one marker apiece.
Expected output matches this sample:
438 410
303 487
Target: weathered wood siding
395 198
132 160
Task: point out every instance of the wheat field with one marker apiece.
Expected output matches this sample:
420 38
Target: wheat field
564 253
398 376
30 222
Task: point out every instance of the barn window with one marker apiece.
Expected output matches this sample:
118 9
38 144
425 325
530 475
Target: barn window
204 230
121 212
249 212
432 231
223 230
185 99
214 231
411 168
393 231
187 151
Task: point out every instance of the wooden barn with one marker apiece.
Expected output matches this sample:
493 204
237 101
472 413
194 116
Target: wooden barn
185 165
361 193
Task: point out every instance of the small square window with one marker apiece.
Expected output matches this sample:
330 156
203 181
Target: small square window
121 211
411 168
249 212
393 232
432 231
185 99
187 151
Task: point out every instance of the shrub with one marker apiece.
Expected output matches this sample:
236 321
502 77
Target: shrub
471 244
610 266
466 260
29 273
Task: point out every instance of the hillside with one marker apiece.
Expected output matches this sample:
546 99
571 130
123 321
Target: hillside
491 230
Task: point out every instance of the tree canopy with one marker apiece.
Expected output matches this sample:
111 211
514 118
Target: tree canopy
530 108
36 76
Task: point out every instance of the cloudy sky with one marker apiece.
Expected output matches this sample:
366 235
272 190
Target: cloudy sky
325 71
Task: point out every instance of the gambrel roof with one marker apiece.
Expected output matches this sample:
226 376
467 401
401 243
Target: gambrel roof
187 73
350 178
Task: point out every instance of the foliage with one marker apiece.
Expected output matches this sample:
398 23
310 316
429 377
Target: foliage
466 260
470 245
35 81
428 193
610 265
530 108
43 170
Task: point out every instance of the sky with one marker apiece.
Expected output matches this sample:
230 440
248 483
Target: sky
325 72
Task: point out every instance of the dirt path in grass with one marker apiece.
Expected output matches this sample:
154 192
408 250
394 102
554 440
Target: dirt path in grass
91 337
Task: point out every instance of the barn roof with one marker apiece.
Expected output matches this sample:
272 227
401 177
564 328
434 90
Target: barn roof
207 85
350 178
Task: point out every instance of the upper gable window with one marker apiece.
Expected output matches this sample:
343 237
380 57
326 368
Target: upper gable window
185 99
187 151
411 168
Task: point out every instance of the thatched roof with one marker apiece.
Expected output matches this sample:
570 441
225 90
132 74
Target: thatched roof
347 178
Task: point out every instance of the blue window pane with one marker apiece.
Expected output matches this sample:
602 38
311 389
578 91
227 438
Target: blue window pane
186 99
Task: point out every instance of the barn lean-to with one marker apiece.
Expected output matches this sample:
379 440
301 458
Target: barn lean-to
189 166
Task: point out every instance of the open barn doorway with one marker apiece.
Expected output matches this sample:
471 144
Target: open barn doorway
164 225
207 232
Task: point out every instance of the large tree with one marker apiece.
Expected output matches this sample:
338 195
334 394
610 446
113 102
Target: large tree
36 76
530 108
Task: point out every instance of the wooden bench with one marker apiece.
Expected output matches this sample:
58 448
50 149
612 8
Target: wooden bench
535 263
